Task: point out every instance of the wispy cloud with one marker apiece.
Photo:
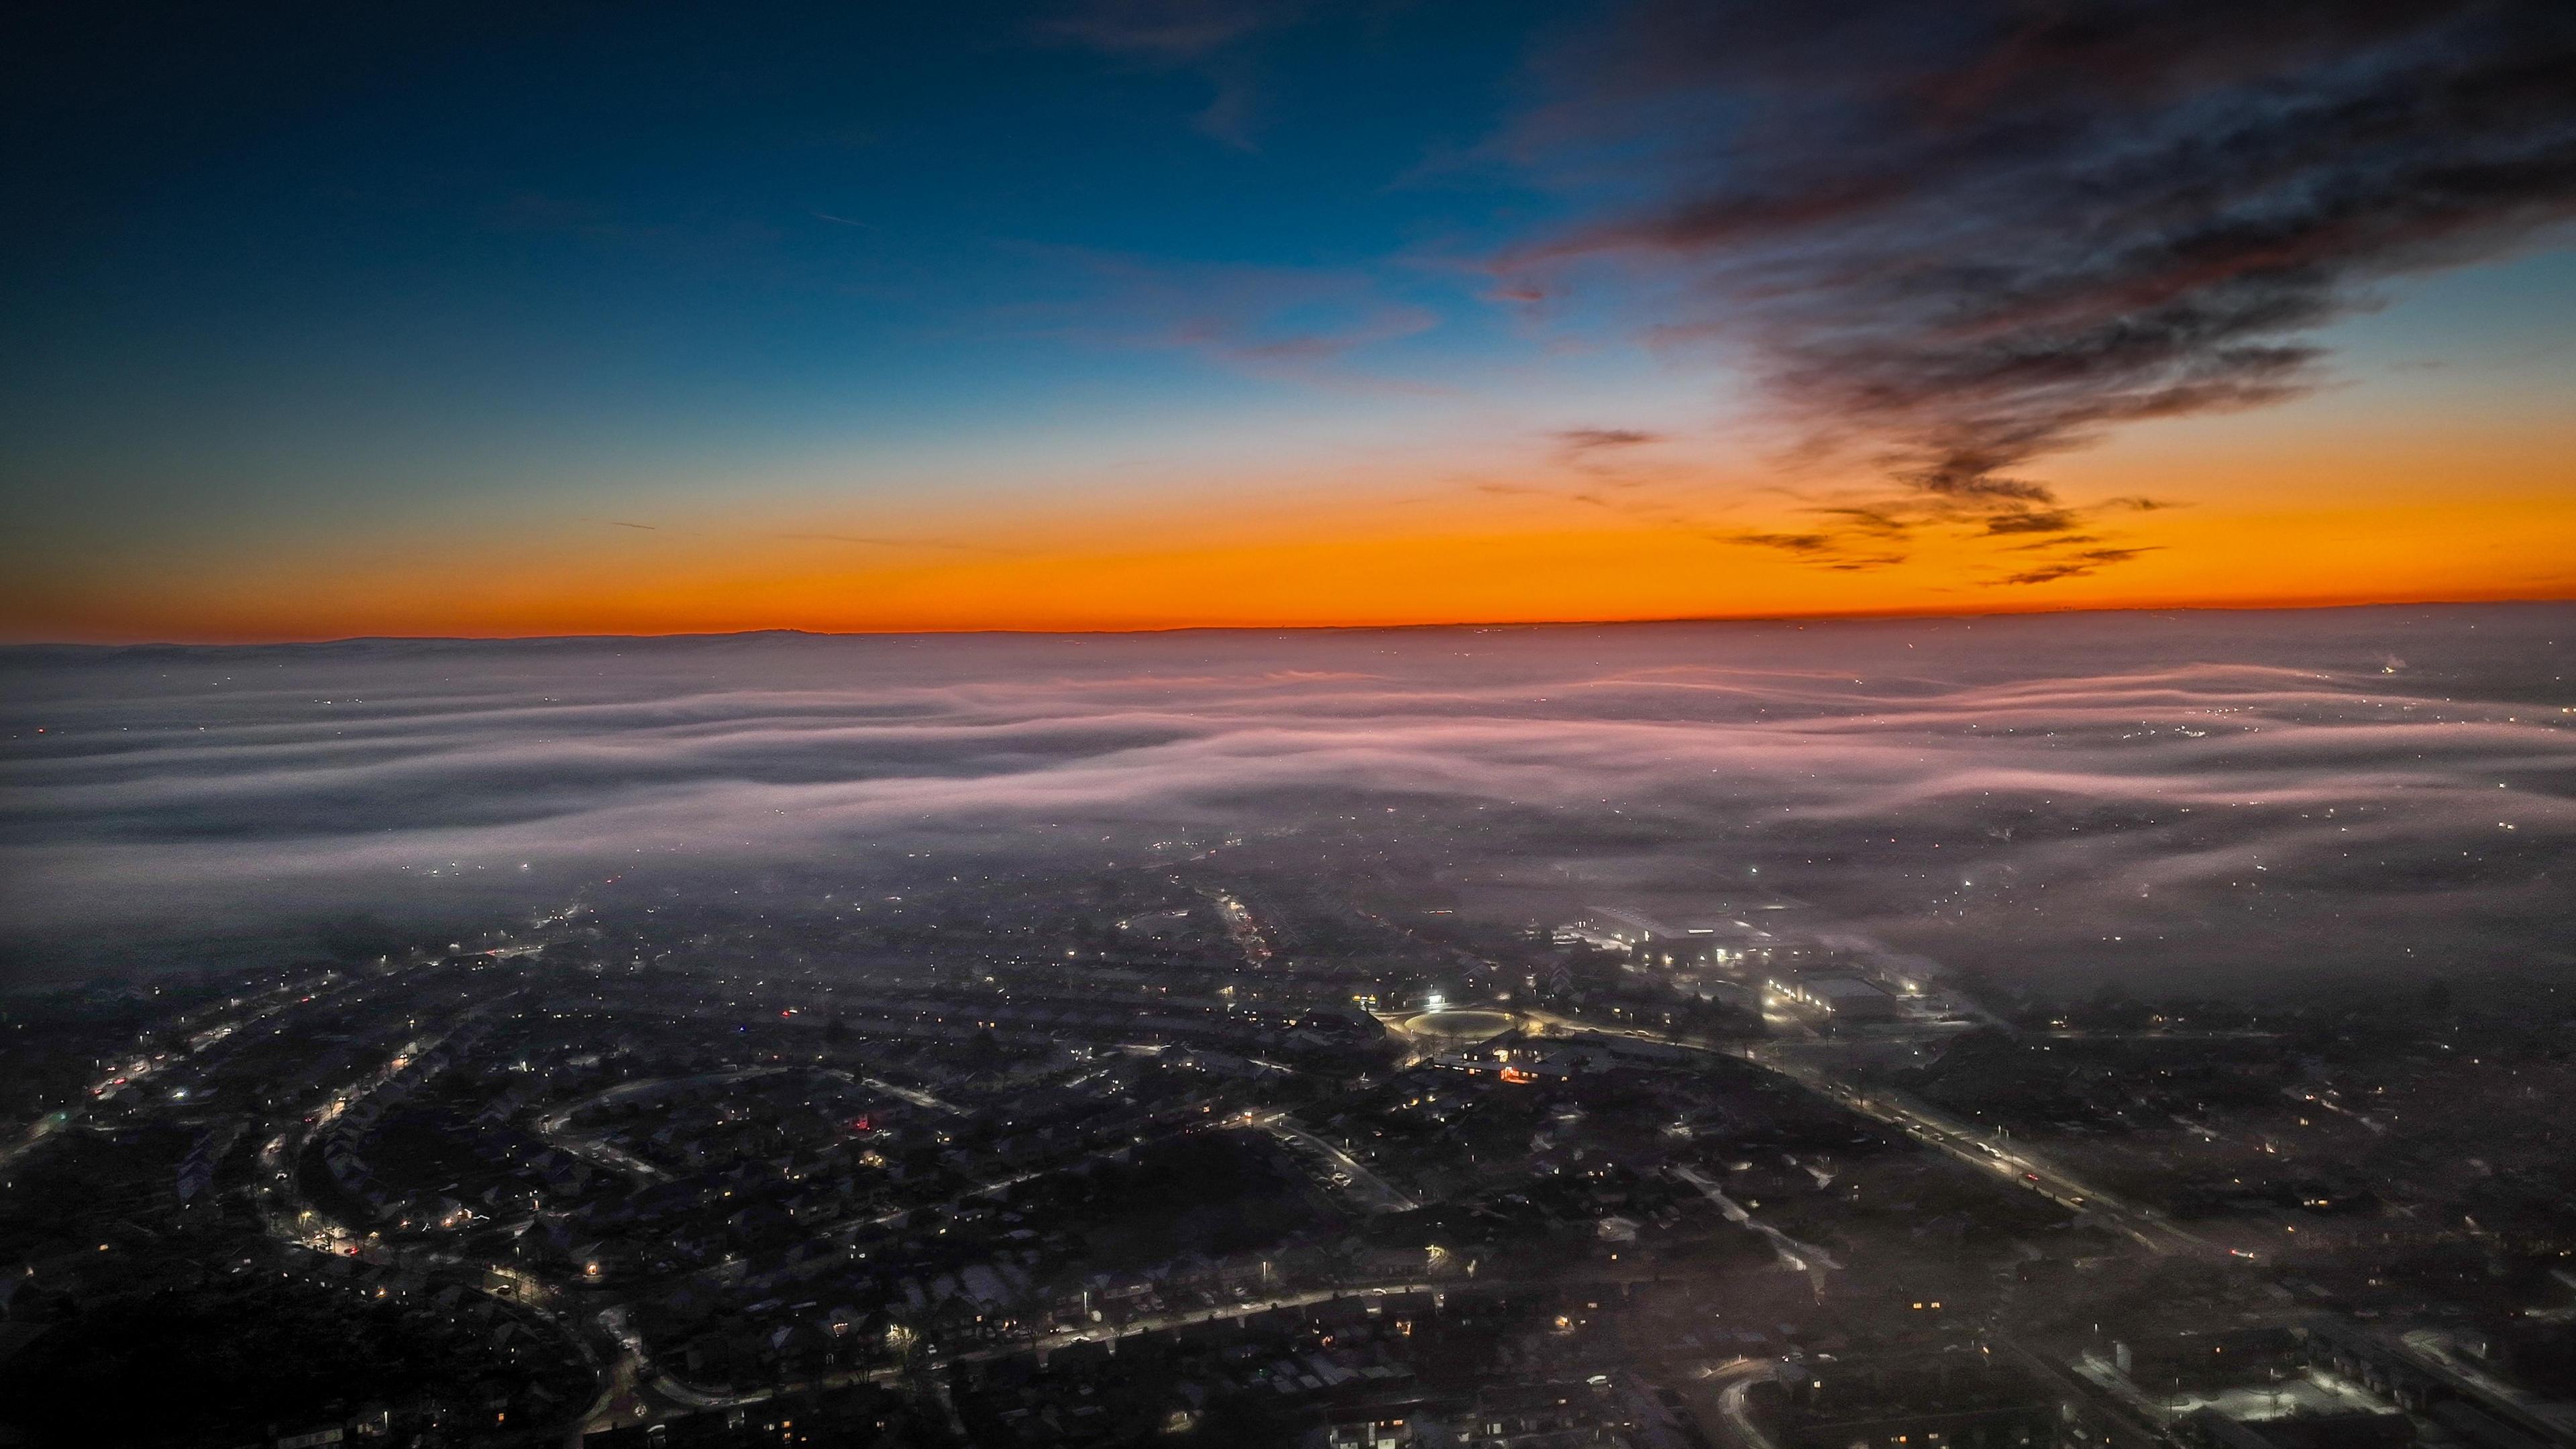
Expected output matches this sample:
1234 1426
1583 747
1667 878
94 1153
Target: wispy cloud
1163 30
1593 440
2072 566
1604 453
2035 520
1799 543
1287 345
1202 36
1313 325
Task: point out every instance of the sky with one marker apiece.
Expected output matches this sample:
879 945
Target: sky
549 319
2183 800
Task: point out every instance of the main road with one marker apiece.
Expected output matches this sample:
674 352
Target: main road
1983 1150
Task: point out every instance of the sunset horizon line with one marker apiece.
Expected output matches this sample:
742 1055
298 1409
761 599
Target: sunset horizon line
1848 616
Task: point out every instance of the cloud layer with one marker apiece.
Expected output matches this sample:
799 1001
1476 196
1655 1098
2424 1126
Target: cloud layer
1980 790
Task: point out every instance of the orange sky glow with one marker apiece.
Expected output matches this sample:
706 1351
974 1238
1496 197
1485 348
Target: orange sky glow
2324 527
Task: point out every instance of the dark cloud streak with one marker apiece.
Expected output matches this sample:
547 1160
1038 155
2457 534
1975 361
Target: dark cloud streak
1972 236
2073 566
1591 440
